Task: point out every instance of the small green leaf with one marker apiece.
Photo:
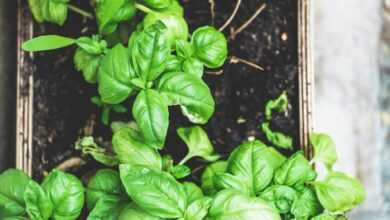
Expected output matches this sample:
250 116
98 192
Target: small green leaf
184 49
47 42
209 175
158 4
115 75
229 181
36 10
88 64
177 27
88 146
278 139
150 51
210 46
55 11
279 104
324 149
66 193
295 172
156 192
191 93
198 209
105 182
198 144
151 114
193 192
180 171
280 197
131 149
107 207
329 216
339 193
38 204
306 205
173 64
193 66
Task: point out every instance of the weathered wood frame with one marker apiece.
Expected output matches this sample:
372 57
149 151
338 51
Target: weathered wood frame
25 93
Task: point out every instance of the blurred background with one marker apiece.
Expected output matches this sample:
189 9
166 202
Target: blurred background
352 102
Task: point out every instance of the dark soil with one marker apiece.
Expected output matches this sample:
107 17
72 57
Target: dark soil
62 106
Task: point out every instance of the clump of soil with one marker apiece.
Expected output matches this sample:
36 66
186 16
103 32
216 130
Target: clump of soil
62 106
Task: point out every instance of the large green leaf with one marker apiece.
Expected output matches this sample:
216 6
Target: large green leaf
150 51
132 211
191 93
198 209
232 205
105 182
38 204
131 149
193 192
115 75
156 192
150 111
251 167
306 205
339 192
210 46
13 185
66 193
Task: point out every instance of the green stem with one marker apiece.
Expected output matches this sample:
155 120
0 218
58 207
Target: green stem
80 11
143 8
185 159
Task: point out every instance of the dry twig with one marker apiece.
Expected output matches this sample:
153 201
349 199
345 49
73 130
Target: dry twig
212 11
71 163
215 73
234 32
231 16
236 60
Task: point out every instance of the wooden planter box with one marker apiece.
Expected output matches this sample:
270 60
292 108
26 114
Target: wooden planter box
25 84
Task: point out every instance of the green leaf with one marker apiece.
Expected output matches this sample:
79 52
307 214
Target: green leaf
66 193
191 93
108 208
55 11
13 185
92 45
88 146
174 8
279 104
150 52
105 182
180 171
131 149
173 64
151 114
280 197
88 64
38 204
339 192
278 139
184 49
324 149
329 216
230 205
210 46
109 13
177 27
209 174
132 211
306 205
229 181
193 66
158 4
193 192
295 172
155 192
198 209
36 10
47 42
198 144
115 74
248 163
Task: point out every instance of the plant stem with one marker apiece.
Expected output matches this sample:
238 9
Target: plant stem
231 16
185 159
143 8
80 11
248 22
